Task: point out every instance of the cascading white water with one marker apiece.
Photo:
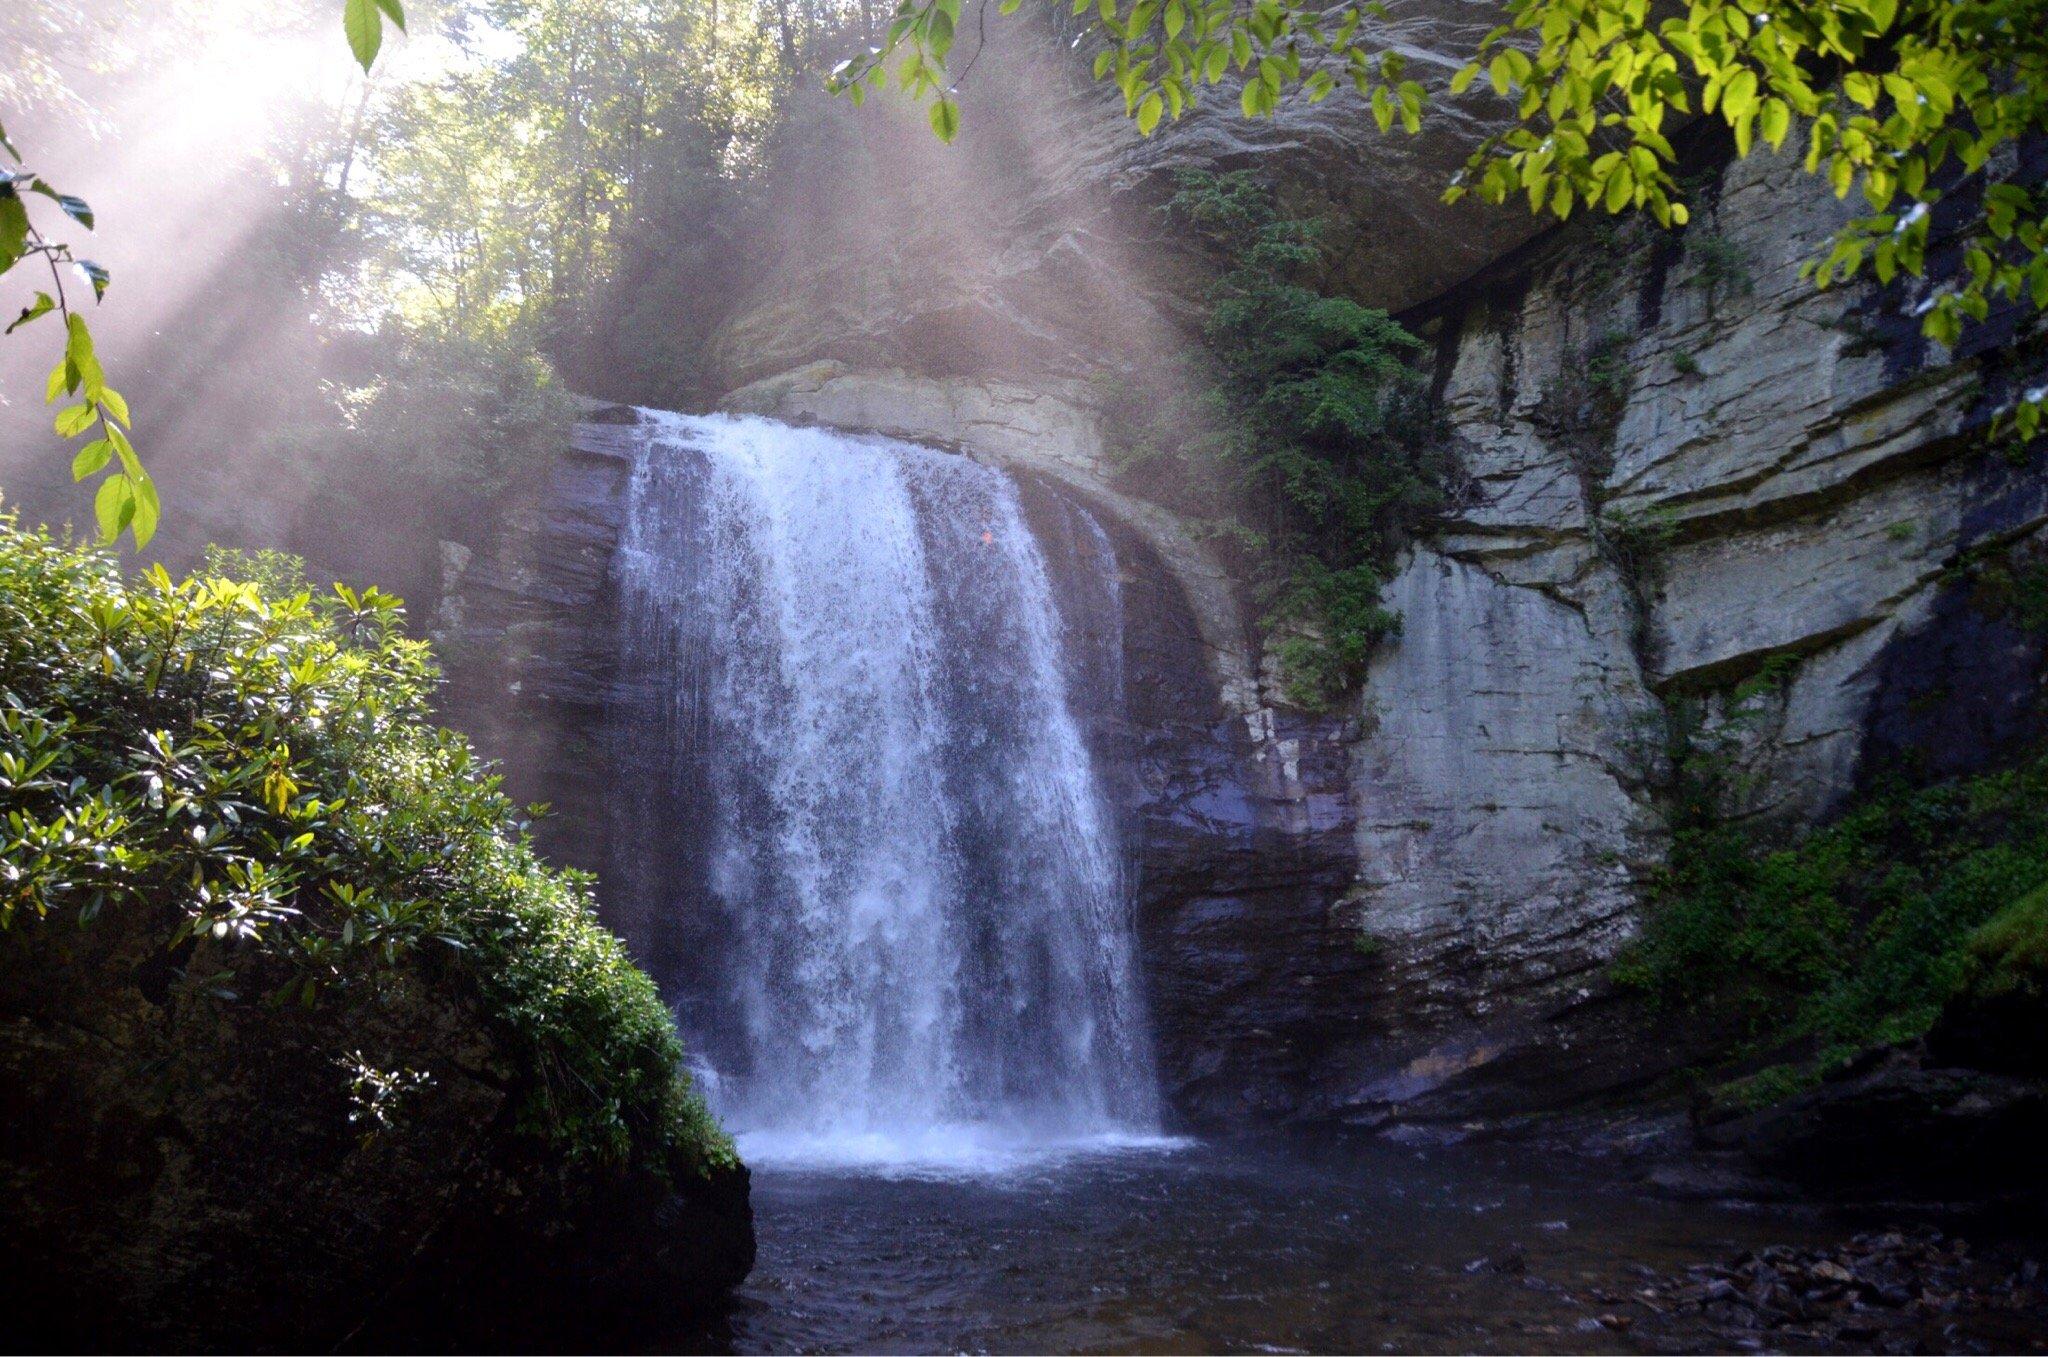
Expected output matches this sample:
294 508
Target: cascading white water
925 937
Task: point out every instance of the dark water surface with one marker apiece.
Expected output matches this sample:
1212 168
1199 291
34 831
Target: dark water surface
1214 1248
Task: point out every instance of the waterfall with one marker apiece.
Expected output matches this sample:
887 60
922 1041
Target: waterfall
871 734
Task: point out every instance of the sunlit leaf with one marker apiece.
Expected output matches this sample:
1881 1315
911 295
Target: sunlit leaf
114 506
13 227
363 22
91 459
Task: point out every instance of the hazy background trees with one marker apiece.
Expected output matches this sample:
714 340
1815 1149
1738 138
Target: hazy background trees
349 306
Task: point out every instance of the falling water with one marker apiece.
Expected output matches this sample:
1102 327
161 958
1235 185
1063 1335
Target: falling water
923 936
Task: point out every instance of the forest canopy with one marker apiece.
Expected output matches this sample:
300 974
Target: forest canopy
439 223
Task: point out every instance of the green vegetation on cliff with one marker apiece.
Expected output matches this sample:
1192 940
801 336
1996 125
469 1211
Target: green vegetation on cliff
1309 447
1861 932
249 772
2008 956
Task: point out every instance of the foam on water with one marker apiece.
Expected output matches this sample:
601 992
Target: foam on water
974 1149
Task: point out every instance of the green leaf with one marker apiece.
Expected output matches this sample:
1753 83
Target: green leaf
114 506
91 459
75 420
41 306
1738 98
393 11
148 510
1620 186
1149 110
945 119
13 227
364 25
1775 122
126 451
83 363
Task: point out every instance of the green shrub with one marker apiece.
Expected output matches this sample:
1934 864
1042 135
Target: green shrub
1772 1084
1858 933
1344 607
256 770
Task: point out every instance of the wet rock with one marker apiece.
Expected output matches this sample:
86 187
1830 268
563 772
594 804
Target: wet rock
1895 1291
1512 1261
1892 1128
1715 1177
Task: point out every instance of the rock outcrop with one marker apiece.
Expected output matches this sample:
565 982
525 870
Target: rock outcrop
1691 470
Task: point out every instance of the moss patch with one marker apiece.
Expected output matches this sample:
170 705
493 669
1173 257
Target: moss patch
2008 956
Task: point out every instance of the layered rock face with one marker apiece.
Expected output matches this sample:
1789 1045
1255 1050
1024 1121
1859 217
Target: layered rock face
1690 470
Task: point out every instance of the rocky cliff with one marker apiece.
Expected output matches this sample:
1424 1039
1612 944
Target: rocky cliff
1687 473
